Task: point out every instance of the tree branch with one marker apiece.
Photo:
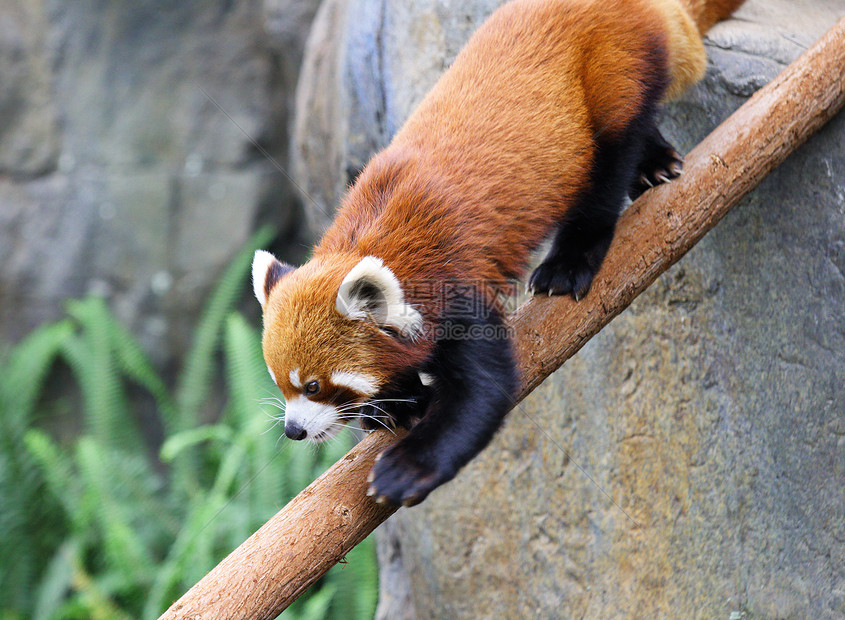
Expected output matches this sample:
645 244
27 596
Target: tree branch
319 526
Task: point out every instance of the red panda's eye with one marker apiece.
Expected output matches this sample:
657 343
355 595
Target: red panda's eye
311 388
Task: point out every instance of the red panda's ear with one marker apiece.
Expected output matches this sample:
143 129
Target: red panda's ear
266 271
371 291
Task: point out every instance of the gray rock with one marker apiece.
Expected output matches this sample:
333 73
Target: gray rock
367 65
688 462
141 144
28 132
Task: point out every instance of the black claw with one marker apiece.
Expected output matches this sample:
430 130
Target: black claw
570 276
549 279
660 164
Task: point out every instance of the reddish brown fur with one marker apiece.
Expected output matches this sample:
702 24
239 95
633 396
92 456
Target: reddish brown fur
480 174
305 332
706 13
497 152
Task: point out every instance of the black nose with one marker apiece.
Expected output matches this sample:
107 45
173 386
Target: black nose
294 431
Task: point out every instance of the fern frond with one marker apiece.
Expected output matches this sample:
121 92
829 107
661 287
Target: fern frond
195 380
58 474
247 379
91 356
57 580
22 375
176 444
196 377
123 548
136 365
24 510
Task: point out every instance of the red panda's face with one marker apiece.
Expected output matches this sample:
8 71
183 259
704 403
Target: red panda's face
330 337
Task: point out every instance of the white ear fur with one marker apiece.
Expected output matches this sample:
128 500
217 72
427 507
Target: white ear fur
261 263
266 270
371 289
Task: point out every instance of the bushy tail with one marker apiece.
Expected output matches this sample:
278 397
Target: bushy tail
686 21
705 13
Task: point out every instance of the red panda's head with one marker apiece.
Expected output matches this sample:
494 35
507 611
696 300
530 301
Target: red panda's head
336 331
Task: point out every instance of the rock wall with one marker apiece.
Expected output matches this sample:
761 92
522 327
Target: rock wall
689 461
132 152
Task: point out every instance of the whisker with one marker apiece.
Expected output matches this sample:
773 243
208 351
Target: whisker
373 416
387 427
379 420
274 392
332 440
279 438
279 412
348 408
276 422
376 418
376 407
276 402
276 419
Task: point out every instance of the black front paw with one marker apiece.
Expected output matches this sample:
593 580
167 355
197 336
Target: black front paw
555 278
660 164
571 272
401 477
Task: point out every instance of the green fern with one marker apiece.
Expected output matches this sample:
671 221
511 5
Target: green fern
60 479
135 366
96 529
91 355
196 379
123 551
23 373
57 581
29 521
248 380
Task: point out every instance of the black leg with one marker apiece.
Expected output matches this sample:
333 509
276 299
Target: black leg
576 254
582 239
474 387
621 166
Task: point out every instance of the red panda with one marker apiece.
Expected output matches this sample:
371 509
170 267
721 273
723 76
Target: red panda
542 126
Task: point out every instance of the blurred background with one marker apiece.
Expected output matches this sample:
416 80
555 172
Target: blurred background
143 157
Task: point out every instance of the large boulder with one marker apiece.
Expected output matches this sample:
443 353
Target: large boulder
141 144
689 461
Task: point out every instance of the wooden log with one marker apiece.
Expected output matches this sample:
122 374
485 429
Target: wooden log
319 526
269 570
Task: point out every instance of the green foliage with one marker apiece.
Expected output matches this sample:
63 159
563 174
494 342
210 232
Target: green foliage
96 527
